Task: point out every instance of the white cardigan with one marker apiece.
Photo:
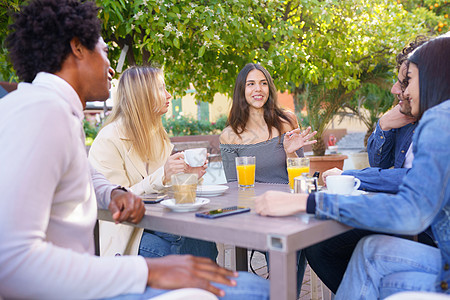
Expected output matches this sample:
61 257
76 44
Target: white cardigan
48 206
115 158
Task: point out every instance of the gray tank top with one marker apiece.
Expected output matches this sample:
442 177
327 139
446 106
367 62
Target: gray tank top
270 160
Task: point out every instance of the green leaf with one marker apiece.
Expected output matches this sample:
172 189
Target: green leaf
201 51
209 34
176 43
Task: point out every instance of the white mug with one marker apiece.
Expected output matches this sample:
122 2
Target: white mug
195 157
342 184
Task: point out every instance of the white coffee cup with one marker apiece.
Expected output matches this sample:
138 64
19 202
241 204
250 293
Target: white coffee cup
342 184
195 157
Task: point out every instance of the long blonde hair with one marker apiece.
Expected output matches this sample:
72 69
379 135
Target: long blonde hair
139 97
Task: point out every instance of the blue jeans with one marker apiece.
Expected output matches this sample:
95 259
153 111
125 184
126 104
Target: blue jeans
329 259
249 287
159 244
382 265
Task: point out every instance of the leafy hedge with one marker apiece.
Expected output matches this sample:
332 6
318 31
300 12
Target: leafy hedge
182 125
91 130
179 126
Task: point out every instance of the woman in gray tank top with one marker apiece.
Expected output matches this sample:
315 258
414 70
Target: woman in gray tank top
258 127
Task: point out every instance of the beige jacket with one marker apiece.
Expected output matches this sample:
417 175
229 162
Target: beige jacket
116 159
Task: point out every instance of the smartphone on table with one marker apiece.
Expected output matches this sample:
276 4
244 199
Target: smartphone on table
222 212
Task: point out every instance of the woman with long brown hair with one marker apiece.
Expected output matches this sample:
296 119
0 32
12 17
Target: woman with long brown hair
258 127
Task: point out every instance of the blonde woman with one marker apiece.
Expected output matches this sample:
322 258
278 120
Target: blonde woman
133 150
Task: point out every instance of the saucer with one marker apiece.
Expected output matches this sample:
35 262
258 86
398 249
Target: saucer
211 190
170 203
354 193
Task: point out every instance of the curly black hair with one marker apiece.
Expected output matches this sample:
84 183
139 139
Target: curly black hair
403 56
42 30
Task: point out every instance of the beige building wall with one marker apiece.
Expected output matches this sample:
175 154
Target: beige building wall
220 106
352 124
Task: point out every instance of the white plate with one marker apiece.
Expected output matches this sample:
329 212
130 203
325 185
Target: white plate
170 203
211 190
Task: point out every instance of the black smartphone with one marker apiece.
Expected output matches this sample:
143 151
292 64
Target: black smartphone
222 212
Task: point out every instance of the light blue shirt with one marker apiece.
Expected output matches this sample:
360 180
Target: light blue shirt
385 149
423 198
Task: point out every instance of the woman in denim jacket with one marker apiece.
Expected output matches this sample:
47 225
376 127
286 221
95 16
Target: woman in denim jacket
383 265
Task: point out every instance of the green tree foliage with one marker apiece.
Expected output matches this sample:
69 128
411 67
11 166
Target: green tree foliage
325 49
7 8
321 51
434 13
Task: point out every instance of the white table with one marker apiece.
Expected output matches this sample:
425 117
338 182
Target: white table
281 236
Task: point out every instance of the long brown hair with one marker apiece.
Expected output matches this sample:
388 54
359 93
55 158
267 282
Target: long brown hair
239 113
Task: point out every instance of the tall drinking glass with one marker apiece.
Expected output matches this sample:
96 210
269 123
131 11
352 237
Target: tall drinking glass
296 166
245 168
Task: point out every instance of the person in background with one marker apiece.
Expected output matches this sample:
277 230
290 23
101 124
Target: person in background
382 265
389 146
133 150
50 193
330 258
258 127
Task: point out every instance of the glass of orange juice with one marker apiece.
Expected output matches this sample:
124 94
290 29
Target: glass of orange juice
296 166
245 168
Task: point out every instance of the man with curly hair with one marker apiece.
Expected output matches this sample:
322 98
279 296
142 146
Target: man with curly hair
48 206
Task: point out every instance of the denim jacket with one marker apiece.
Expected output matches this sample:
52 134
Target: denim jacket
386 149
423 198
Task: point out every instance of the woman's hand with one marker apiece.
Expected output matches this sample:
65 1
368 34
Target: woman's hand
330 172
278 204
175 164
200 171
295 139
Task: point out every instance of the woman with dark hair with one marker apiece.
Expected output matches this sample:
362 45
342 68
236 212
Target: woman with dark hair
432 81
382 265
258 127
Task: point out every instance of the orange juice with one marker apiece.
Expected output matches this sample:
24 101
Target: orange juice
294 172
246 175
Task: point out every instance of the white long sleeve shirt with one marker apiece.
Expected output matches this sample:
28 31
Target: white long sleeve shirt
48 205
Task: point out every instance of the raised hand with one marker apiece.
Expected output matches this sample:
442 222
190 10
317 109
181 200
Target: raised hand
187 271
295 139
